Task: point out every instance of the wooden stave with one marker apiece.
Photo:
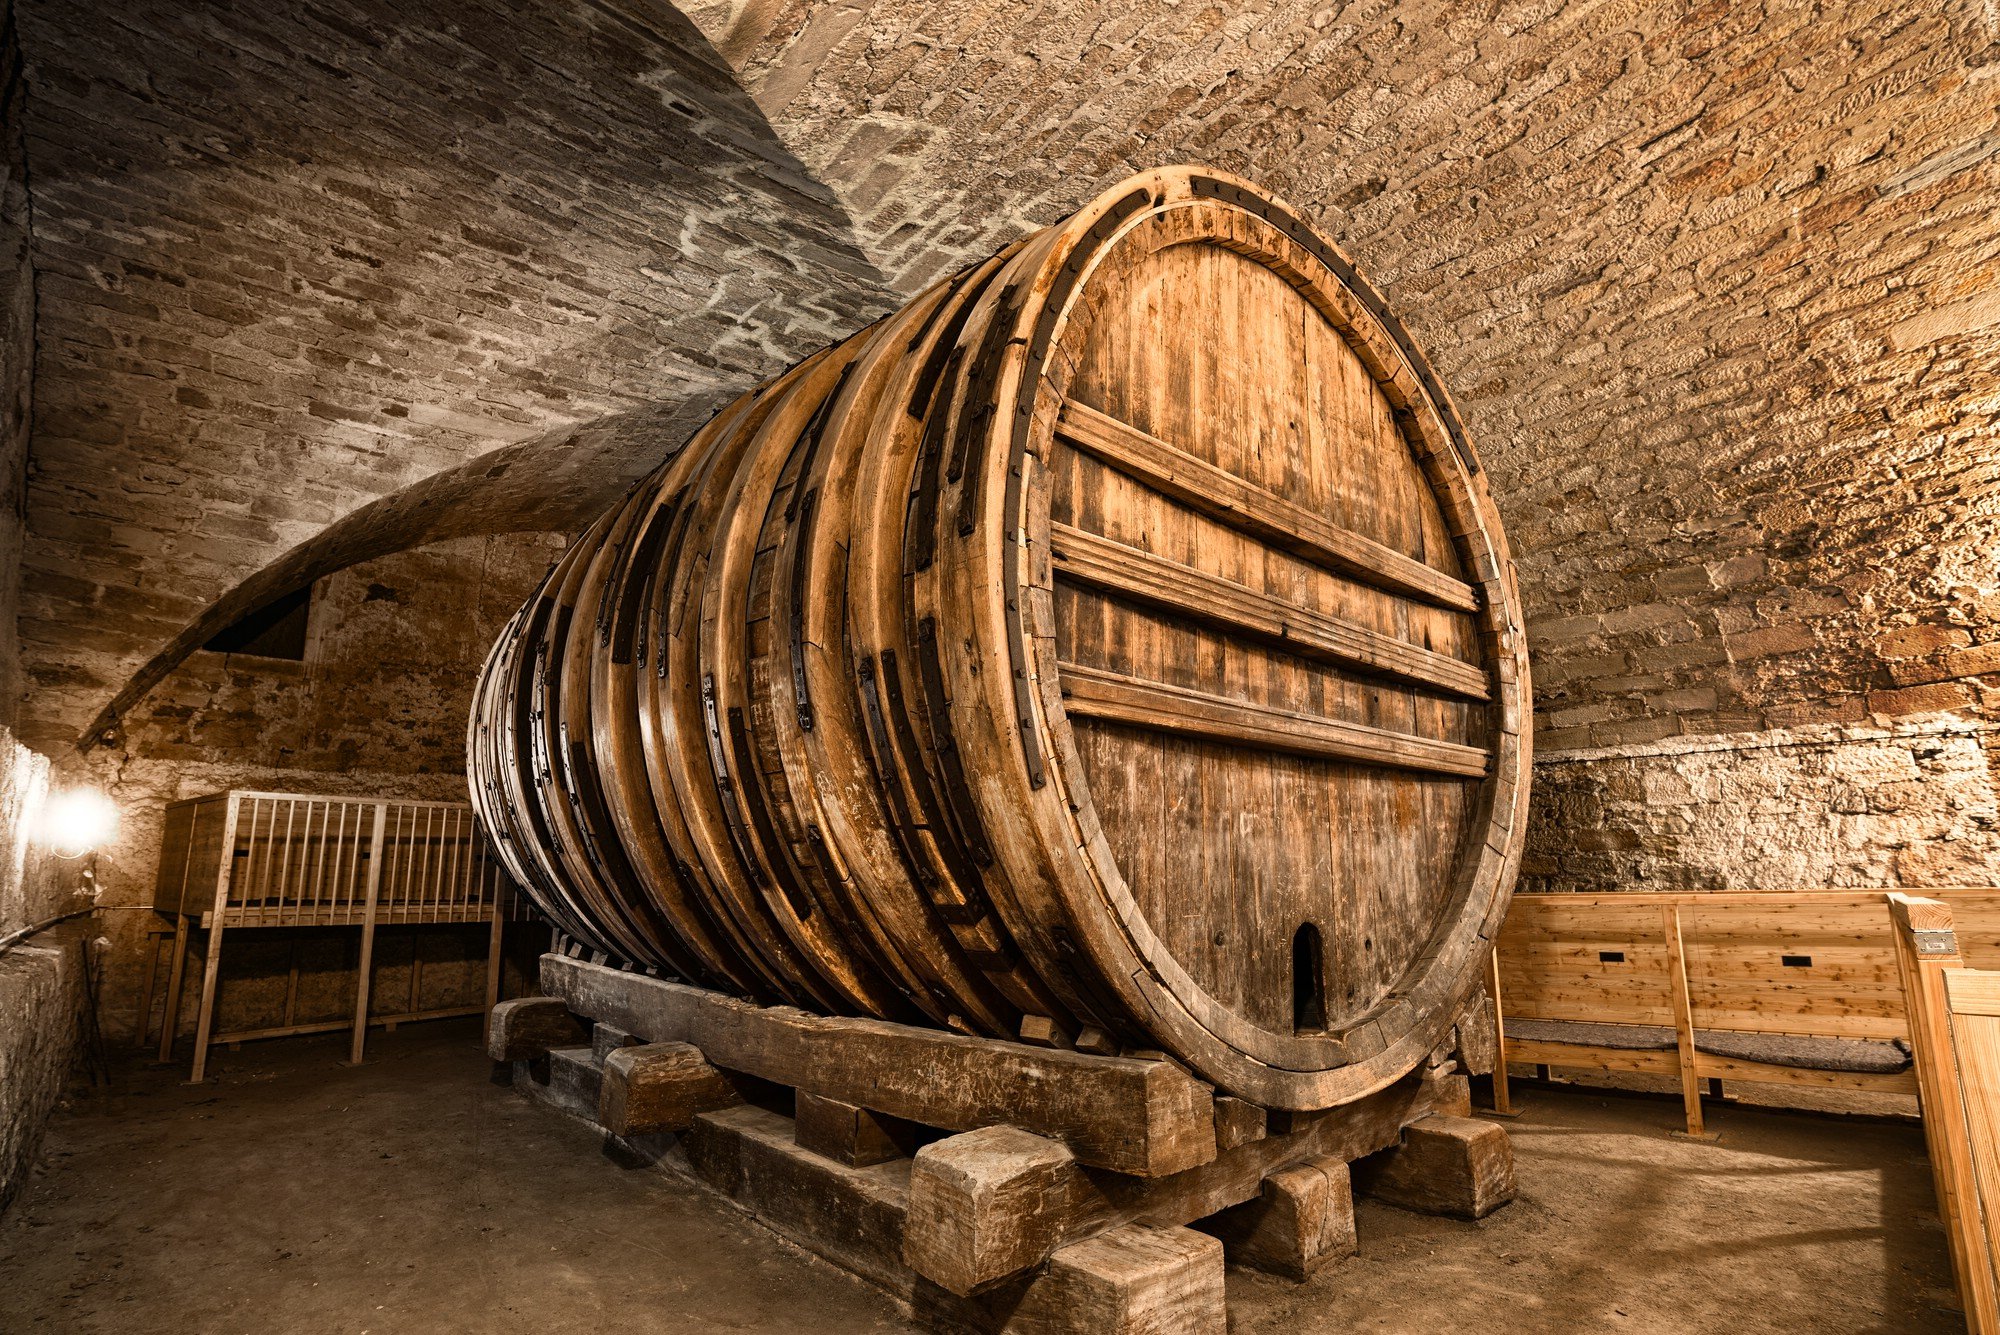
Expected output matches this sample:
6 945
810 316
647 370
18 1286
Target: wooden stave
583 777
938 595
841 862
574 860
483 769
619 721
731 875
799 902
1022 912
898 751
514 765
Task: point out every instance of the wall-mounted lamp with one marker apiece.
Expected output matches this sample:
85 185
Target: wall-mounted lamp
77 821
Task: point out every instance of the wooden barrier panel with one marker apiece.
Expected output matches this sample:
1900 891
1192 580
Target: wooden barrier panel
1958 1067
1785 987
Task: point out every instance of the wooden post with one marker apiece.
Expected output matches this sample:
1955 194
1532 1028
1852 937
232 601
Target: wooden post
1677 984
1926 947
416 972
1503 1100
146 989
204 1020
211 961
292 983
375 848
1974 998
170 1008
494 959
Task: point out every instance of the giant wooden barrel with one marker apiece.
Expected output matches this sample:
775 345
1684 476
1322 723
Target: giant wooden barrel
1115 647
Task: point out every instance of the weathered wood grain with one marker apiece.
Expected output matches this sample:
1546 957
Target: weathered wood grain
655 1087
1302 1219
525 1028
1142 1117
1455 1166
847 1134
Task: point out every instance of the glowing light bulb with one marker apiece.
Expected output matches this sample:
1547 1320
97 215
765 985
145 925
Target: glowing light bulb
76 821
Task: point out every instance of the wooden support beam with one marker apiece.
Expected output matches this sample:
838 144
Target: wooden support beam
525 1028
847 1134
851 1216
1302 1218
1677 986
986 1205
1147 1118
656 1087
1249 509
1503 1099
1453 1166
860 1217
1072 1202
1091 559
1096 693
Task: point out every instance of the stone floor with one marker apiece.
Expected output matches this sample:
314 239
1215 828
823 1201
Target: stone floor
293 1194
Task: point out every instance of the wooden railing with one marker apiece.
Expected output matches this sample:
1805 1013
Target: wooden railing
243 859
297 859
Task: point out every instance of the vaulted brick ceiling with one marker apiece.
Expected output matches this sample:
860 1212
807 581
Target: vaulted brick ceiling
293 259
1715 288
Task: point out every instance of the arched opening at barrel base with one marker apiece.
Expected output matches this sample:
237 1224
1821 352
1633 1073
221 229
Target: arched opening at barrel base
1308 979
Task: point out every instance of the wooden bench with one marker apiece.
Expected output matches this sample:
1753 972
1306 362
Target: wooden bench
1796 987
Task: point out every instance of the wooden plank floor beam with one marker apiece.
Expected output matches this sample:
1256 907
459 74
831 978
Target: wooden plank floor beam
1249 509
1097 561
1095 693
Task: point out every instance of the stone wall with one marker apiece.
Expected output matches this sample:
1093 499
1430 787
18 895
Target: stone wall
1717 288
378 708
1907 803
41 977
294 258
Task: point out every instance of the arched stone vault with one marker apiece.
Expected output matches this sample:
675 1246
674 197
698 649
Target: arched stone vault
557 484
301 268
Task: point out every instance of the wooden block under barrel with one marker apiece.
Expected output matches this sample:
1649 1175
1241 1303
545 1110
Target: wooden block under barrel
986 1205
525 1028
1456 1166
659 1087
1133 1280
1302 1218
846 1134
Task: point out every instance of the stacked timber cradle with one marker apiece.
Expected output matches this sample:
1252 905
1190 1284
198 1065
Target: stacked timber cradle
1116 648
